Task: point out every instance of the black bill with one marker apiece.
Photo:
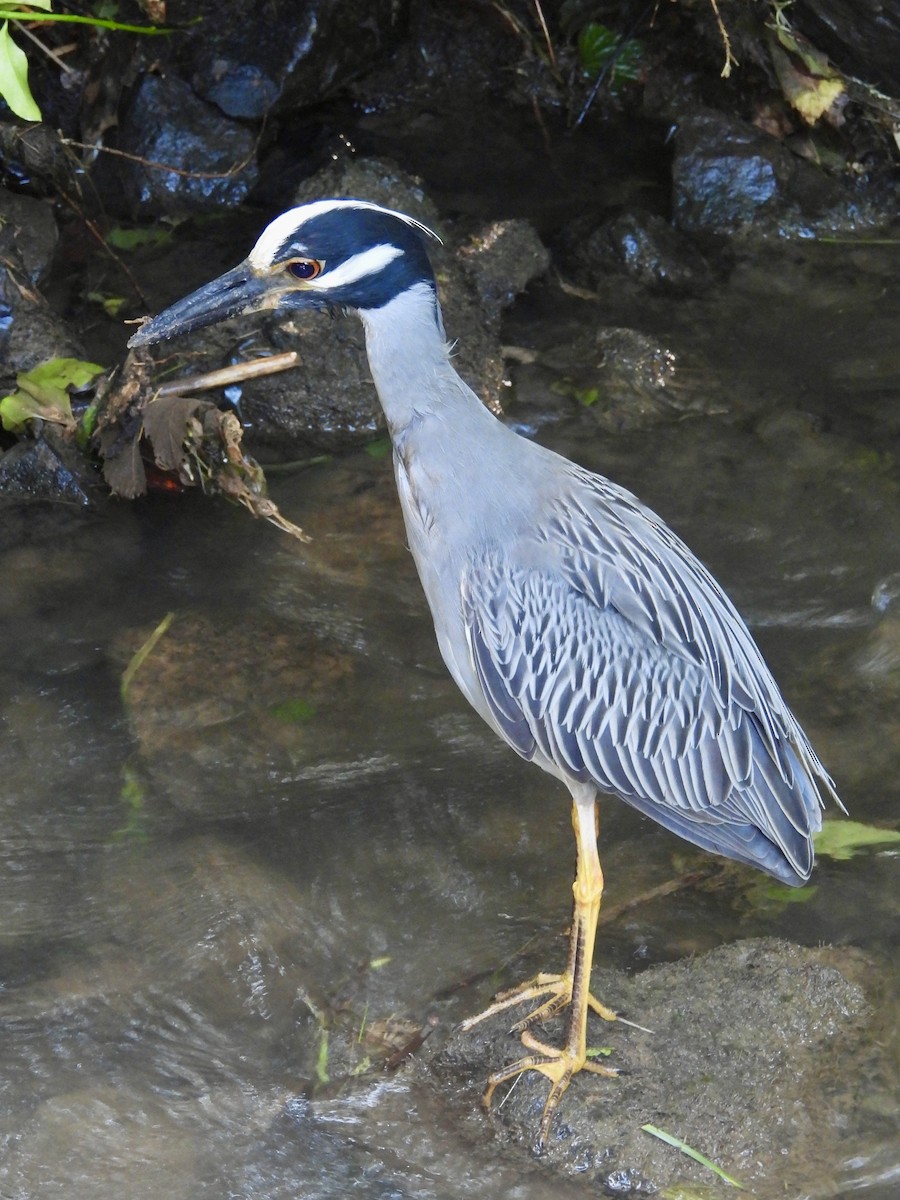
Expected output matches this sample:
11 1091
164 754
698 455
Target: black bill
236 292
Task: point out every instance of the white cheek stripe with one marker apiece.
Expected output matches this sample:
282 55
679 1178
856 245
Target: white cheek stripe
368 262
291 223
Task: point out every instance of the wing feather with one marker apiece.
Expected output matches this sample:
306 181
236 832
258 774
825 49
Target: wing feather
646 697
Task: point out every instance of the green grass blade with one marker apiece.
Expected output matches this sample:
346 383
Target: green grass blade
140 656
678 1144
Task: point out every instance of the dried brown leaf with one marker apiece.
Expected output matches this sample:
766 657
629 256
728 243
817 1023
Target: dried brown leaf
166 421
123 469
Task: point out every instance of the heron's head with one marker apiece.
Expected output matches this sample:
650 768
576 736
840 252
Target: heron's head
331 254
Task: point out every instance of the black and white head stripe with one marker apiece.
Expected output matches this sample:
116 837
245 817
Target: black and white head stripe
368 254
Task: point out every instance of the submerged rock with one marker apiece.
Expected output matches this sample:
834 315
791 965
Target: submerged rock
207 704
648 250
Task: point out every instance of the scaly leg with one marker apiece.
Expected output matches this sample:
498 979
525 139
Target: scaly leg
570 989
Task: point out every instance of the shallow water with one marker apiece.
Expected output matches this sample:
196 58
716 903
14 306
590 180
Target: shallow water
218 891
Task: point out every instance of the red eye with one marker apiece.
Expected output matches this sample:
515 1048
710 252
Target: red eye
304 268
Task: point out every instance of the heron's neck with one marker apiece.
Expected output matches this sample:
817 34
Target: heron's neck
409 358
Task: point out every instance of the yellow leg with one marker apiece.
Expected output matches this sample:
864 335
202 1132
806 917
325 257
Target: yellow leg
569 990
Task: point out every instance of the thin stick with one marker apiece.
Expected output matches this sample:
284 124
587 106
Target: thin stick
226 376
546 32
726 40
54 54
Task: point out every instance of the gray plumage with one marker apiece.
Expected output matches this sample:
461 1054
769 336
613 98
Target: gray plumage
591 639
575 622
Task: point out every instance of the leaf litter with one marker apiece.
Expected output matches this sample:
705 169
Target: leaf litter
189 439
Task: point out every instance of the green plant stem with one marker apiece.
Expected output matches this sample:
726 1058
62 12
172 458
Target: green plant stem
98 22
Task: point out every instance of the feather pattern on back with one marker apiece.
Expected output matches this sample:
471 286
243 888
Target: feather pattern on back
629 668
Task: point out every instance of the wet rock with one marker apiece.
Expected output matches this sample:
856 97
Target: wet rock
28 230
34 156
251 59
212 159
649 251
47 469
30 331
729 177
502 260
447 52
749 1048
614 378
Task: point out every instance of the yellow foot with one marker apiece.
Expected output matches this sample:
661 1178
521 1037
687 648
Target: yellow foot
556 1065
557 989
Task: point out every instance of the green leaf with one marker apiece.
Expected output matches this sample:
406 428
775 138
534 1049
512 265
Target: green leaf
19 408
142 653
840 840
111 305
15 14
86 426
130 239
678 1144
14 78
380 448
132 797
62 373
765 891
44 393
600 46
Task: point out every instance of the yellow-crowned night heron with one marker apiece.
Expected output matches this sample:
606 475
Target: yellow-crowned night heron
574 621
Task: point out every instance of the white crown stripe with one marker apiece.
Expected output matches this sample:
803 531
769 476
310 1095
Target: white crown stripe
368 262
291 223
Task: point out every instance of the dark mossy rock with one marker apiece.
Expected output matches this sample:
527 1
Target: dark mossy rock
30 331
749 1060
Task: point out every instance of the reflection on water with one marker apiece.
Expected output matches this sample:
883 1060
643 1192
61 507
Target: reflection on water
292 847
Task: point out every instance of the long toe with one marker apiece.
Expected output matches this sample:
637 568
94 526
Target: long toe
558 1066
558 992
